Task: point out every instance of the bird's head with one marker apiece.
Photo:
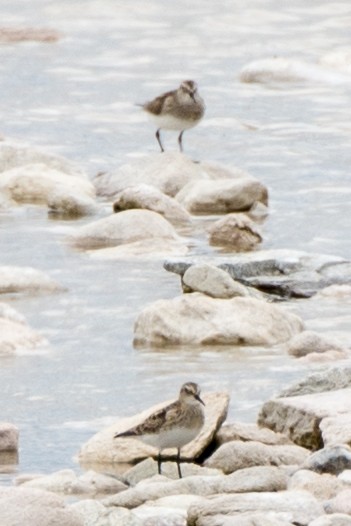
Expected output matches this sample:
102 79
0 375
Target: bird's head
190 394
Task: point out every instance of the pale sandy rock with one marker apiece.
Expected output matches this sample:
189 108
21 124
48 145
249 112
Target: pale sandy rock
336 429
17 337
8 437
247 519
345 477
65 204
238 455
34 507
281 69
250 432
299 417
149 249
197 319
259 479
37 183
168 172
235 231
26 279
300 507
103 448
308 342
212 281
14 155
222 196
331 459
66 482
341 503
150 198
96 514
322 486
148 468
221 171
336 519
126 227
330 379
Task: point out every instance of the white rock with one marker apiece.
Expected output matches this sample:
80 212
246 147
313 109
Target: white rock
212 281
150 198
59 482
235 231
168 172
36 183
126 227
26 279
248 432
336 429
281 69
148 249
102 448
200 320
222 195
237 455
311 342
341 503
14 155
34 507
322 486
259 479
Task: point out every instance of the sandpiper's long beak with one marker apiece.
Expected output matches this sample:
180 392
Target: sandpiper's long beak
192 95
197 397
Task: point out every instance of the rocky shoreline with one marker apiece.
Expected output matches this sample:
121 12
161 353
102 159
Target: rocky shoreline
293 467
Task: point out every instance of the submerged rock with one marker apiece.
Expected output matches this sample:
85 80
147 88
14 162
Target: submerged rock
26 280
8 437
198 319
308 342
236 232
18 337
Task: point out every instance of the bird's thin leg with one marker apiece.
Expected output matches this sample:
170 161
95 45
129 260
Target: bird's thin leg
158 137
159 461
178 463
180 141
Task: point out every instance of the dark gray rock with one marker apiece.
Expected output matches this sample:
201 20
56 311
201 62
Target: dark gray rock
333 460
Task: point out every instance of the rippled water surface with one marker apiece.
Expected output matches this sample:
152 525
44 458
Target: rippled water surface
76 97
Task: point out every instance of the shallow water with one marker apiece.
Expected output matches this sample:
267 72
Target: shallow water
76 97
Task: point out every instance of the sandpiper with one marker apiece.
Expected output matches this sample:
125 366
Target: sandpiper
173 426
179 110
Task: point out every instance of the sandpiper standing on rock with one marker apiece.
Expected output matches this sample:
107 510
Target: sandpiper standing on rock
173 426
179 110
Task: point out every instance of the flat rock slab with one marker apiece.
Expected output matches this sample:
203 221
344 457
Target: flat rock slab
102 448
300 417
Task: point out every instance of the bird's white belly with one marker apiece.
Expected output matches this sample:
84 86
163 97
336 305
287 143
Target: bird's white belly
168 122
176 437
